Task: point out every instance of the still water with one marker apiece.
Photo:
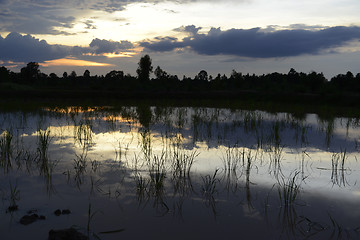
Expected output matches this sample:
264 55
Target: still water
179 172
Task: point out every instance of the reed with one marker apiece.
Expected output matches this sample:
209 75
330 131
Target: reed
80 164
183 162
43 144
6 150
276 157
231 158
146 145
338 168
45 166
289 190
14 197
157 174
83 134
142 188
209 184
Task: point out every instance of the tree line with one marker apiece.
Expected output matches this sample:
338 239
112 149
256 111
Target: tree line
116 80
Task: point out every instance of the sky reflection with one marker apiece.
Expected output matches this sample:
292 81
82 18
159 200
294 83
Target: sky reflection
202 166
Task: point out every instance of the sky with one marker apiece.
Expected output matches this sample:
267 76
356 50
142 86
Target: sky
182 37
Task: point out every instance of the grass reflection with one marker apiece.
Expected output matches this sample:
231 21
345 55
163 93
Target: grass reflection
190 157
6 150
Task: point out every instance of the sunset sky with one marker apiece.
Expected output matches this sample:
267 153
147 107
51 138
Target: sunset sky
182 37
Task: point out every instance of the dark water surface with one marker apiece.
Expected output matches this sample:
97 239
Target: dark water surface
179 172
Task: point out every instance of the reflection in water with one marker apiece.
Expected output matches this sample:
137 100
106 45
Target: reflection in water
200 167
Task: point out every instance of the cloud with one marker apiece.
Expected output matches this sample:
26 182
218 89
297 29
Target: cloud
36 17
58 17
89 24
19 48
163 44
256 43
26 48
52 16
191 29
99 46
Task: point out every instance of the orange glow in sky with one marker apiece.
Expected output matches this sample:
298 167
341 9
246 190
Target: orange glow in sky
73 62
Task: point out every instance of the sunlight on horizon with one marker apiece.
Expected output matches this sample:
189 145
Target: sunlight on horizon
73 62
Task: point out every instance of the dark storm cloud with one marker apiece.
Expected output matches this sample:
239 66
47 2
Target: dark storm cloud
256 43
42 25
40 16
99 46
16 47
47 16
35 17
163 44
19 48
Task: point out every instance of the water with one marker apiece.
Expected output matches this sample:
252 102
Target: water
175 173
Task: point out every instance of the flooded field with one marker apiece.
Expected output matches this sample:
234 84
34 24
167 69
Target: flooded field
179 172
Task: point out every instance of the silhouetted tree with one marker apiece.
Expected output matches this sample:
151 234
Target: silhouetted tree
316 81
144 68
65 75
4 74
73 74
30 73
86 74
160 74
115 75
202 76
53 76
144 115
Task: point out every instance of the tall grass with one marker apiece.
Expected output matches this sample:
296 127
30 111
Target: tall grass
146 145
46 167
338 168
208 187
231 158
43 144
14 197
182 163
83 134
80 164
276 157
157 173
6 150
42 150
142 188
288 190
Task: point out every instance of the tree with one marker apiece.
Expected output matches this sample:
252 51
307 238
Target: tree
144 68
292 72
73 74
4 74
202 75
65 75
115 75
160 74
53 76
86 74
31 72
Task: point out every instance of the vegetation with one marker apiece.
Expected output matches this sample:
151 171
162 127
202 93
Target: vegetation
293 85
160 172
5 150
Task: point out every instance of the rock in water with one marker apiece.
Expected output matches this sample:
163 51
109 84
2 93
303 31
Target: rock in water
28 219
66 234
57 212
65 212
